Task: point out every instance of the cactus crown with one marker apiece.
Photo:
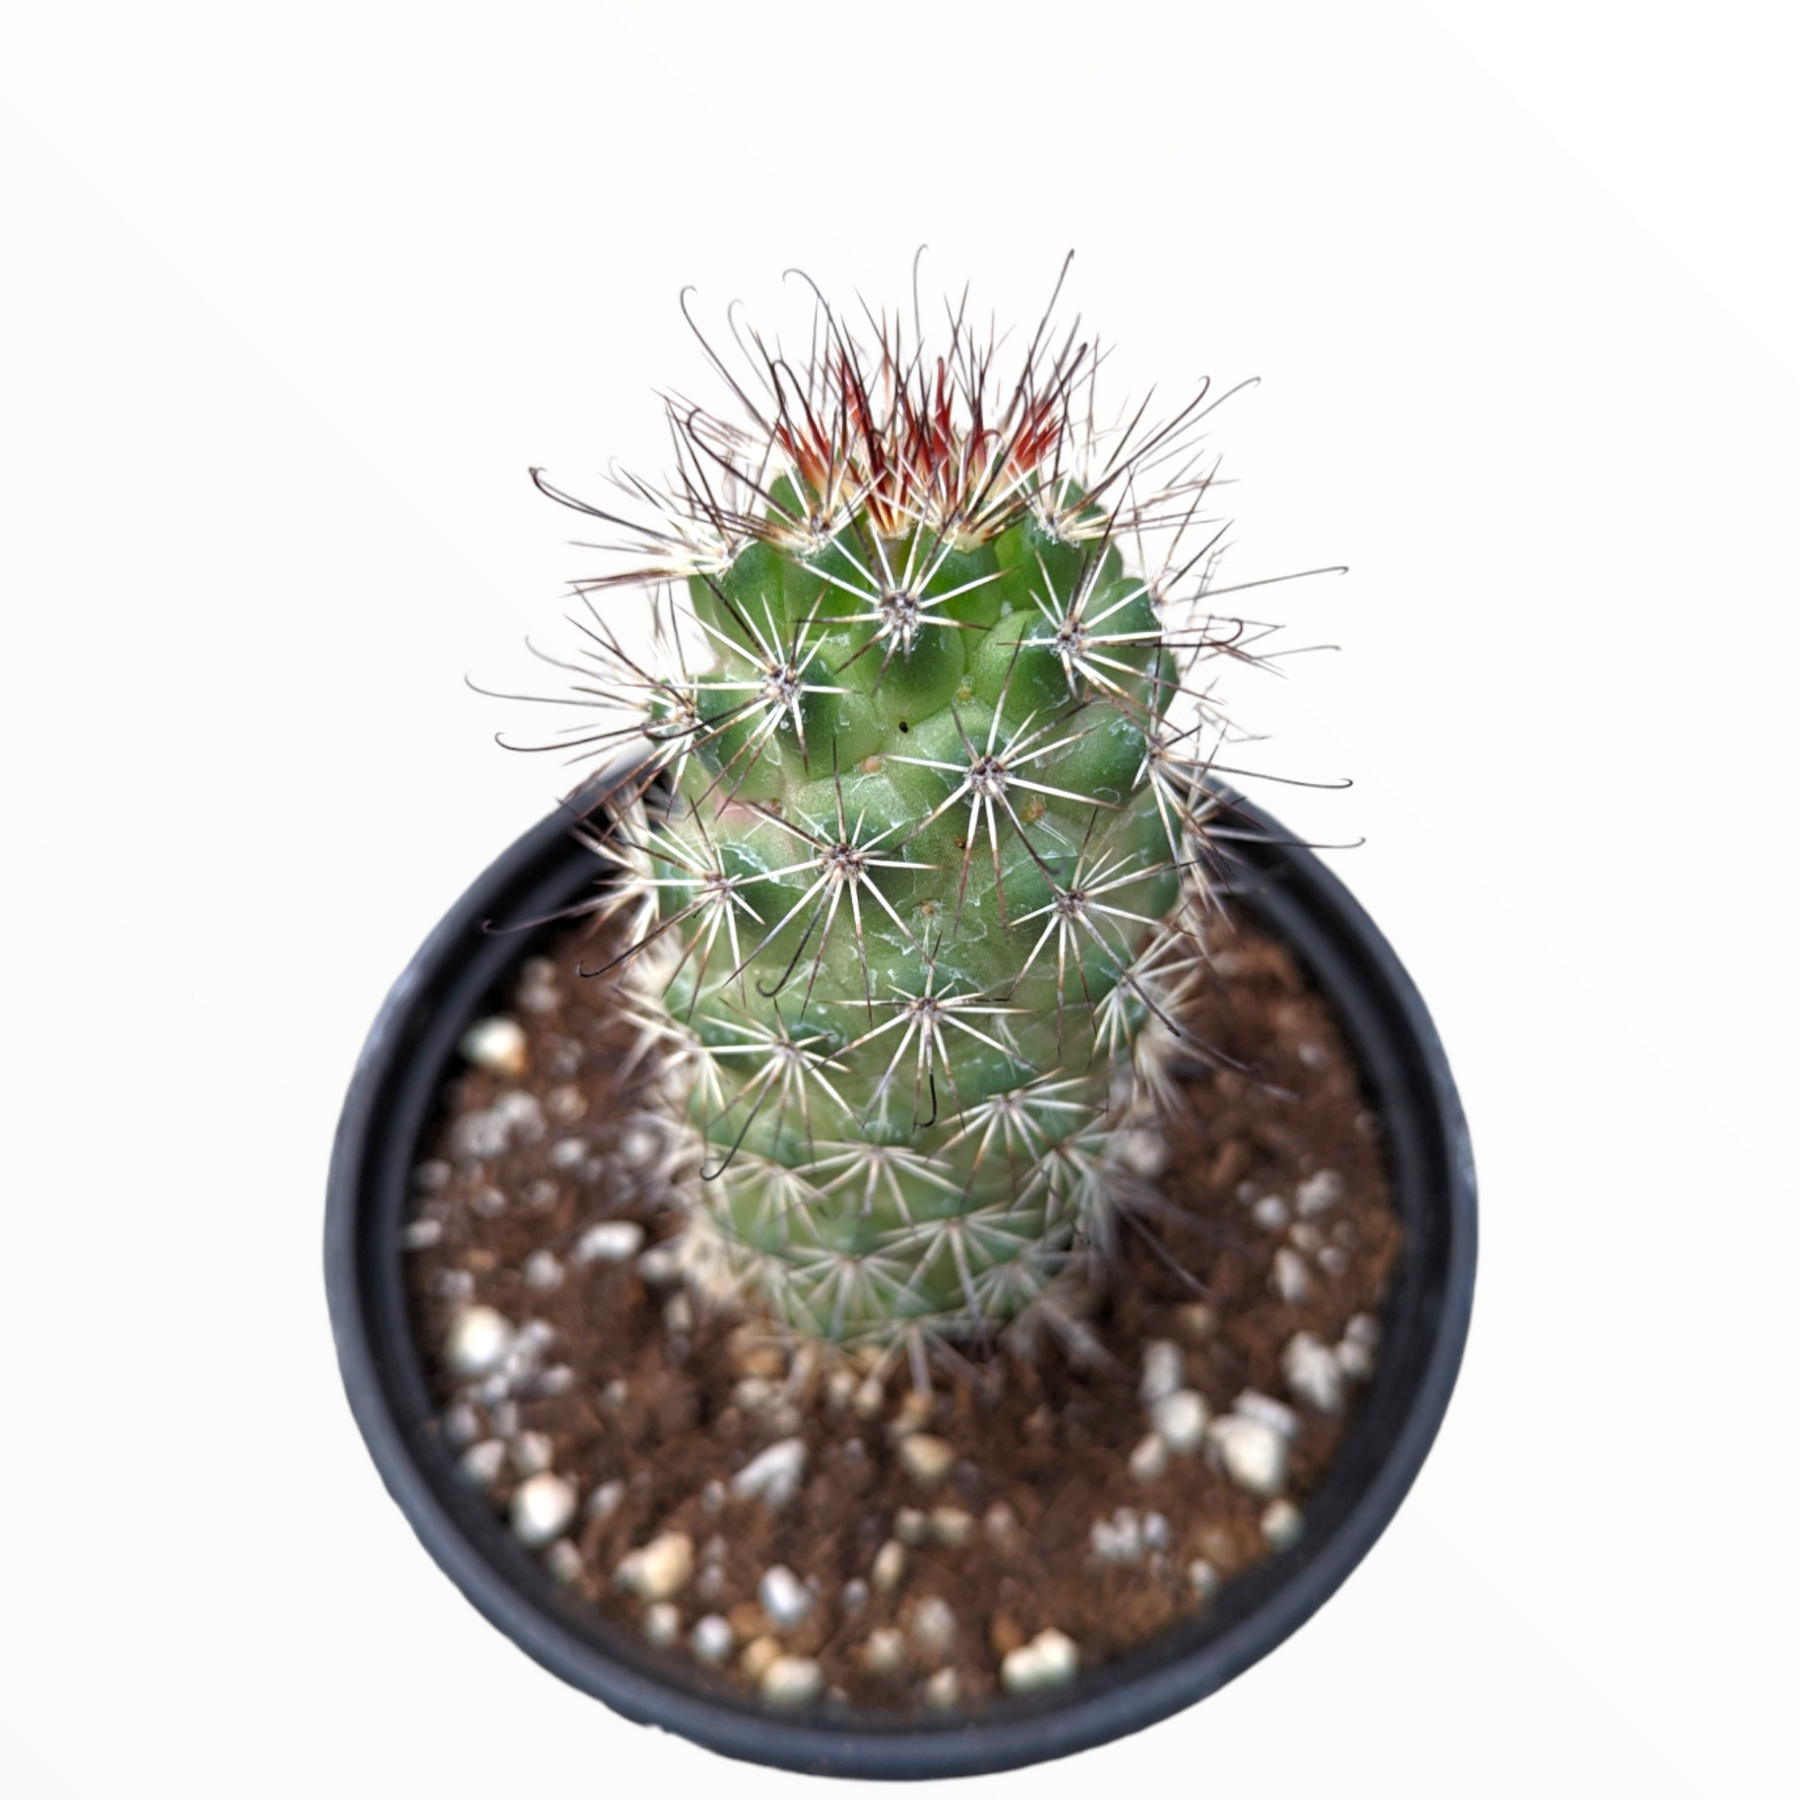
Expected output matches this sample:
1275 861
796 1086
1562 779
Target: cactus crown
911 855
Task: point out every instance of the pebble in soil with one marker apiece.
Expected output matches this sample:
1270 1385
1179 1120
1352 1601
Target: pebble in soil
809 1529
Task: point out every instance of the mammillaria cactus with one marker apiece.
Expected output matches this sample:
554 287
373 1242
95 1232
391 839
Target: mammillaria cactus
913 846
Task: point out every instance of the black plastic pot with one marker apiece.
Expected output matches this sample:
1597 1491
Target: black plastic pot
465 969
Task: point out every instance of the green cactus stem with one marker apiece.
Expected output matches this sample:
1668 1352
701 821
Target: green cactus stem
912 847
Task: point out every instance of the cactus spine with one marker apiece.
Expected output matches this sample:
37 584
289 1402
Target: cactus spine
911 853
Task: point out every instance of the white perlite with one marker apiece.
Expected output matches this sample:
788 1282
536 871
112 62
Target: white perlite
1356 1354
713 1638
1047 1661
782 1595
521 1362
479 1137
885 1651
1203 1578
563 1561
1282 1523
639 1147
1150 1460
1270 1212
541 1507
1254 1405
478 1341
480 1464
537 983
772 1475
662 1623
1143 1153
603 1502
1319 1193
1313 1373
890 1565
532 1452
461 1425
660 1569
1288 1276
542 1272
791 1680
497 1045
943 1690
933 1626
455 1284
567 1104
951 1526
1164 1371
521 1114
926 1459
1119 1539
1180 1420
1253 1451
661 1263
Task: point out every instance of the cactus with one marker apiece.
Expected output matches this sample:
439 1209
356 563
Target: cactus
911 850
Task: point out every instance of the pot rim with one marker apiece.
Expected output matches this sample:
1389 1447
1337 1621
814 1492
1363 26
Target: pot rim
409 1050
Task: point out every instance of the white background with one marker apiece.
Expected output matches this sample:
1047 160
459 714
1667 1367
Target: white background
293 296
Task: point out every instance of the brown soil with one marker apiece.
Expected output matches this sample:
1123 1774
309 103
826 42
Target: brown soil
672 1403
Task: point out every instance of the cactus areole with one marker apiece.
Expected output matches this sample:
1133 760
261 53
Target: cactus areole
910 864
